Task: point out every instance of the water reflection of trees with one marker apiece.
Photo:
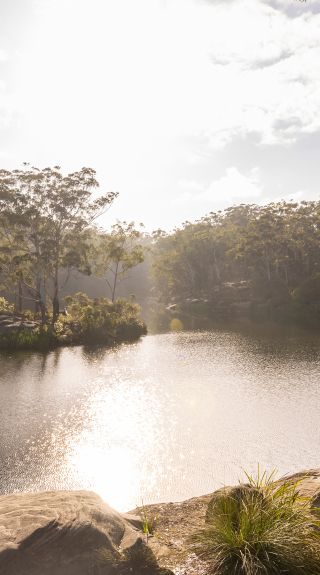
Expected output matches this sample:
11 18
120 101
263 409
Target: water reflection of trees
13 364
94 353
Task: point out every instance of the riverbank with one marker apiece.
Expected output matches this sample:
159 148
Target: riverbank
75 533
91 322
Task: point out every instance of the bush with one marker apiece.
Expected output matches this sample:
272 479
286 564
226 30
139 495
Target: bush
5 306
100 320
260 528
39 339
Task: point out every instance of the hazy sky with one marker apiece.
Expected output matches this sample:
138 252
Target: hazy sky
183 106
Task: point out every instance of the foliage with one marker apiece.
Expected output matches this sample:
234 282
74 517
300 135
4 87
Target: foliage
117 253
264 527
45 218
5 306
267 256
148 521
100 319
40 339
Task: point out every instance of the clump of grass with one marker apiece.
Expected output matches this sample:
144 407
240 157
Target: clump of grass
263 527
148 522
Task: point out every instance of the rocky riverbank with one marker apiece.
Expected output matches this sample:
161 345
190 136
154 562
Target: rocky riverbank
76 533
19 333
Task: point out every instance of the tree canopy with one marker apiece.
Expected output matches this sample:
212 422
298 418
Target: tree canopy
44 222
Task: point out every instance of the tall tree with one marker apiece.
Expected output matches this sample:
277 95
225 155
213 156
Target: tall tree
52 213
117 253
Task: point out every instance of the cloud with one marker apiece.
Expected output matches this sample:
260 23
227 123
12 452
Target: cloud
233 187
265 68
131 85
297 196
226 69
236 185
295 8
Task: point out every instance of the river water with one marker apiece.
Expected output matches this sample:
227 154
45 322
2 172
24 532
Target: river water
164 419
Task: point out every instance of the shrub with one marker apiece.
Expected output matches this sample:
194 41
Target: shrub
100 320
262 528
5 306
39 339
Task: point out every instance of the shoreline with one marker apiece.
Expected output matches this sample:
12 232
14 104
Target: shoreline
78 523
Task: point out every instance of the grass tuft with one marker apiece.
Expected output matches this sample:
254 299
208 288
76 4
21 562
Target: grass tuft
261 528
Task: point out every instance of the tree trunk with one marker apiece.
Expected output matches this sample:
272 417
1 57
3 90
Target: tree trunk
19 296
43 311
216 267
115 283
268 266
55 299
37 304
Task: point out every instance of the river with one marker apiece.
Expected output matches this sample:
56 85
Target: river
169 417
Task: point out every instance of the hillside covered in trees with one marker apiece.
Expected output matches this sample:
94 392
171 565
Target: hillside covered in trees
262 262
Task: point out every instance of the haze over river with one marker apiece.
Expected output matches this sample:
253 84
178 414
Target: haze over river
164 419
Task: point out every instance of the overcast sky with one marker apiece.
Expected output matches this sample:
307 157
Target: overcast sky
183 106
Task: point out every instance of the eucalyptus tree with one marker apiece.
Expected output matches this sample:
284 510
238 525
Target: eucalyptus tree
118 252
46 217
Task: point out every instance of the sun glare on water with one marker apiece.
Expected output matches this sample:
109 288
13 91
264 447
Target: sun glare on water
115 470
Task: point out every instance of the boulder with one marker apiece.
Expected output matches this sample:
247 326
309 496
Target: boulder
70 533
11 323
76 533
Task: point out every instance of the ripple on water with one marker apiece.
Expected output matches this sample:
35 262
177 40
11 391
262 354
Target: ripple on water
167 418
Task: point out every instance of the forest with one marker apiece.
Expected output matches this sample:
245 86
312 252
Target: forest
47 230
260 262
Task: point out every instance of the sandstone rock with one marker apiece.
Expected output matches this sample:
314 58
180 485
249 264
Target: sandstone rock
10 323
76 533
69 533
177 522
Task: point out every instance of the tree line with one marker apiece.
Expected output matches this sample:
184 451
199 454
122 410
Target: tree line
273 250
48 227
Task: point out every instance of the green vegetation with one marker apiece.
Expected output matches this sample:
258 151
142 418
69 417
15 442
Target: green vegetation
45 221
262 262
41 339
5 306
47 231
117 253
100 320
148 521
260 528
257 262
89 321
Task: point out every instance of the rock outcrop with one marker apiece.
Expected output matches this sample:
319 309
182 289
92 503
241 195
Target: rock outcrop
11 323
76 533
70 533
177 522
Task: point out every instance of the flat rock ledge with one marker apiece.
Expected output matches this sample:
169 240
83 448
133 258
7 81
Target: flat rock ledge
175 523
76 533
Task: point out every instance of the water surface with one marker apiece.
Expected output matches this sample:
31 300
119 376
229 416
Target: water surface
167 418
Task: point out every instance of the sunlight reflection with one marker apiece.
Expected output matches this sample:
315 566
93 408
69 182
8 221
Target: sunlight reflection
118 436
174 416
113 473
